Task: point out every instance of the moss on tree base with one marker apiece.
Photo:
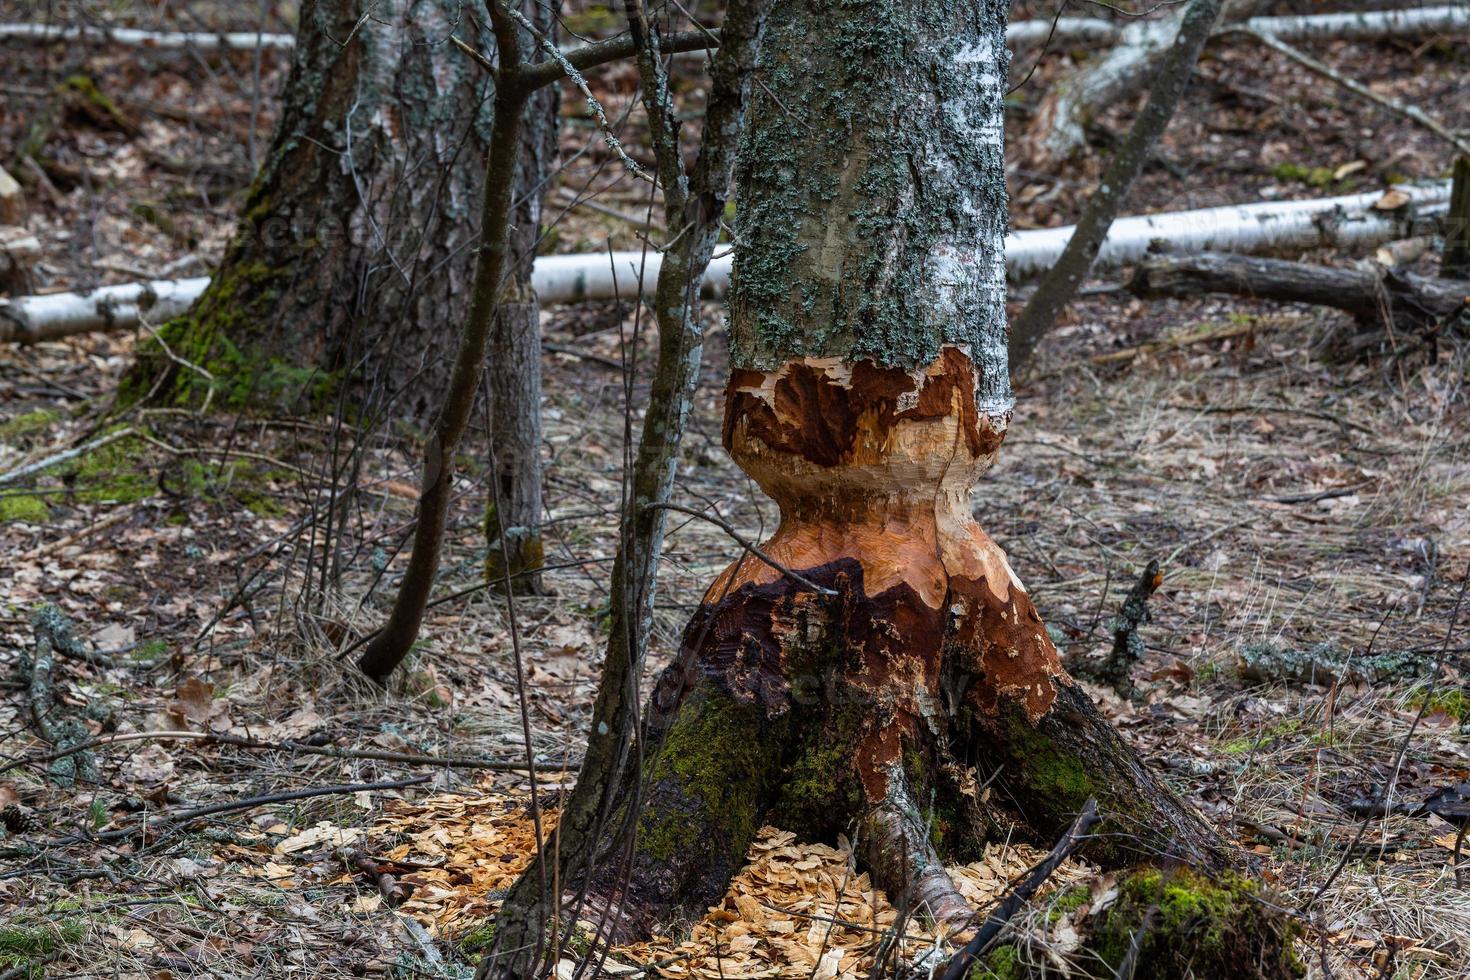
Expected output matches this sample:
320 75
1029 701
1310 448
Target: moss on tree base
217 354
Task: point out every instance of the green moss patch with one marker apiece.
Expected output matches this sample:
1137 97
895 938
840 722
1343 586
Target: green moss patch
114 473
215 335
1001 963
1452 702
26 508
28 424
1194 926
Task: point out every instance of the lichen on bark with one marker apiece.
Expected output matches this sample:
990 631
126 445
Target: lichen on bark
873 210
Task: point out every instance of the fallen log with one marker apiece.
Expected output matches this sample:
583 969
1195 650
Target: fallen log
1069 29
1342 26
1371 294
1060 128
1270 226
131 37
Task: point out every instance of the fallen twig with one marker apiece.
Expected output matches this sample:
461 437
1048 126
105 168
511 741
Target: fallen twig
63 456
960 963
1410 112
242 742
232 806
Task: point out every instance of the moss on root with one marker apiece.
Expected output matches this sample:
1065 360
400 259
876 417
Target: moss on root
717 758
1196 927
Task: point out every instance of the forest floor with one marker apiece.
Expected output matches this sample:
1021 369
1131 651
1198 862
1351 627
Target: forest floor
1312 517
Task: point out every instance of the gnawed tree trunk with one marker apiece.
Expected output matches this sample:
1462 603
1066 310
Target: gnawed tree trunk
893 663
513 358
353 260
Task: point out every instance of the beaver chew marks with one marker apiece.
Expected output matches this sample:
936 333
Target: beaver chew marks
873 469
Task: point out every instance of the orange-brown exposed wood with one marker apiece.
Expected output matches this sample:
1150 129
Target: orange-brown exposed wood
873 468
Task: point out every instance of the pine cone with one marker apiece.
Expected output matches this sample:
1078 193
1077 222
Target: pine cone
19 819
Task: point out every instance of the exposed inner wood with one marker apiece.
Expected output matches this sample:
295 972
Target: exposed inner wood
875 465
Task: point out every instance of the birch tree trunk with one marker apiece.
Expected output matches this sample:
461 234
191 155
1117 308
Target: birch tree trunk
513 359
352 263
886 661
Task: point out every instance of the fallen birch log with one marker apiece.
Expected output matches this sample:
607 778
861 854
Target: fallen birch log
1344 26
132 37
1271 226
1069 29
1372 295
1060 128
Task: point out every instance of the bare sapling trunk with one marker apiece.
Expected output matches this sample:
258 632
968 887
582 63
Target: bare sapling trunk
885 662
1455 263
513 511
1060 283
694 203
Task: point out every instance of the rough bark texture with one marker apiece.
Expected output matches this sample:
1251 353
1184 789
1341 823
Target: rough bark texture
1373 295
903 664
513 361
353 260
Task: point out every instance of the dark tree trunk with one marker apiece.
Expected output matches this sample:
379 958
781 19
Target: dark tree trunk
892 663
353 261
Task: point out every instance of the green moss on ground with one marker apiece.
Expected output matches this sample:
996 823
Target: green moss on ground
1453 702
127 470
478 940
27 508
28 424
1001 963
115 473
1318 177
